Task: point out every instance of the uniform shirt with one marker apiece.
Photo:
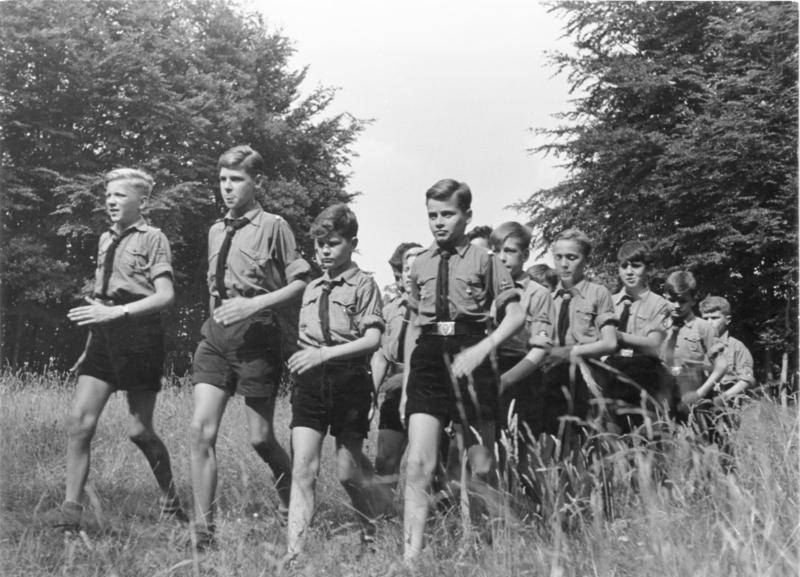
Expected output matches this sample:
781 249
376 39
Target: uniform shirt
540 321
475 278
395 317
740 362
140 258
263 256
354 306
647 313
590 309
693 341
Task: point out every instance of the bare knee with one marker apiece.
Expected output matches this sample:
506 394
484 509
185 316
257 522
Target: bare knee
420 469
203 435
305 470
81 426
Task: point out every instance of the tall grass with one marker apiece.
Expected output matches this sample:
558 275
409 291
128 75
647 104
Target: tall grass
686 509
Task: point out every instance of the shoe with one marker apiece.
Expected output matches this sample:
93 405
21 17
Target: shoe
205 537
171 509
368 530
68 517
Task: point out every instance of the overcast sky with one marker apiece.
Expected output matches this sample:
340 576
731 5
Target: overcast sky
453 88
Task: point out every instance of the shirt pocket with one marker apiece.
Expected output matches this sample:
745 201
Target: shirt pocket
309 313
427 290
693 344
585 322
253 263
469 294
343 311
136 260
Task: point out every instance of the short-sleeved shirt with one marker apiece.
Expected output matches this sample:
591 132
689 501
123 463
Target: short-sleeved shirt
263 256
647 312
739 359
395 315
695 339
354 305
141 257
475 280
540 321
590 309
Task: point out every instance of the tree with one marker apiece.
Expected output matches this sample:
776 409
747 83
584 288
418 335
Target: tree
164 85
684 132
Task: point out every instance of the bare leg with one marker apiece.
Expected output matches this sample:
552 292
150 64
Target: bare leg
355 474
90 398
391 445
424 434
259 411
209 406
142 434
306 449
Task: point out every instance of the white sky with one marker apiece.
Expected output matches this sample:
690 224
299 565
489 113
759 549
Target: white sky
453 89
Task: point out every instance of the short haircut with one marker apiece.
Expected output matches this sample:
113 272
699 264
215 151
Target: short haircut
483 231
138 179
712 304
412 251
578 236
242 157
680 283
635 251
446 188
337 218
544 275
508 230
396 260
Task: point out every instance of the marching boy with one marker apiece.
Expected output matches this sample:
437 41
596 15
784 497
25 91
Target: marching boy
453 285
253 268
125 351
739 374
340 326
640 314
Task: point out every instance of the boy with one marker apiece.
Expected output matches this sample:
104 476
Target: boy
479 236
585 329
690 344
511 241
125 350
739 375
544 275
640 313
387 364
254 268
453 285
340 326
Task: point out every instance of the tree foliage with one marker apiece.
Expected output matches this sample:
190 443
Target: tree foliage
684 132
166 85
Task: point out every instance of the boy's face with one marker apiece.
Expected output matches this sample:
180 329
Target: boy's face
334 252
718 320
569 261
238 190
123 203
447 221
409 260
680 306
512 255
633 274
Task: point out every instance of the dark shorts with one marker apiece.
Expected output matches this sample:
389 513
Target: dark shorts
525 395
333 395
430 388
392 391
127 354
243 358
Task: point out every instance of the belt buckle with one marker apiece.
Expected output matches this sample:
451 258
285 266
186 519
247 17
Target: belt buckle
676 370
626 353
446 328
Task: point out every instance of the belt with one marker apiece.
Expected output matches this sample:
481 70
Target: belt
454 328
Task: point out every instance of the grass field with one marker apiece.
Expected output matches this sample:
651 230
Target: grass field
700 519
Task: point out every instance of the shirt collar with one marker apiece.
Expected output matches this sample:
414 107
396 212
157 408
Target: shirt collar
459 248
250 215
577 289
140 225
346 276
620 297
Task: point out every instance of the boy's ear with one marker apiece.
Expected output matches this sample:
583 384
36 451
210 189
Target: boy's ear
468 214
354 242
259 180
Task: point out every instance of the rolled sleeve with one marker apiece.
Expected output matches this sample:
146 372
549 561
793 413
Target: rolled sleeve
605 308
298 269
369 306
160 256
502 284
284 250
542 313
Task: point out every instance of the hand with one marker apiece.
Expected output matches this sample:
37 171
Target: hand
556 356
468 360
95 313
234 310
305 360
403 399
690 398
